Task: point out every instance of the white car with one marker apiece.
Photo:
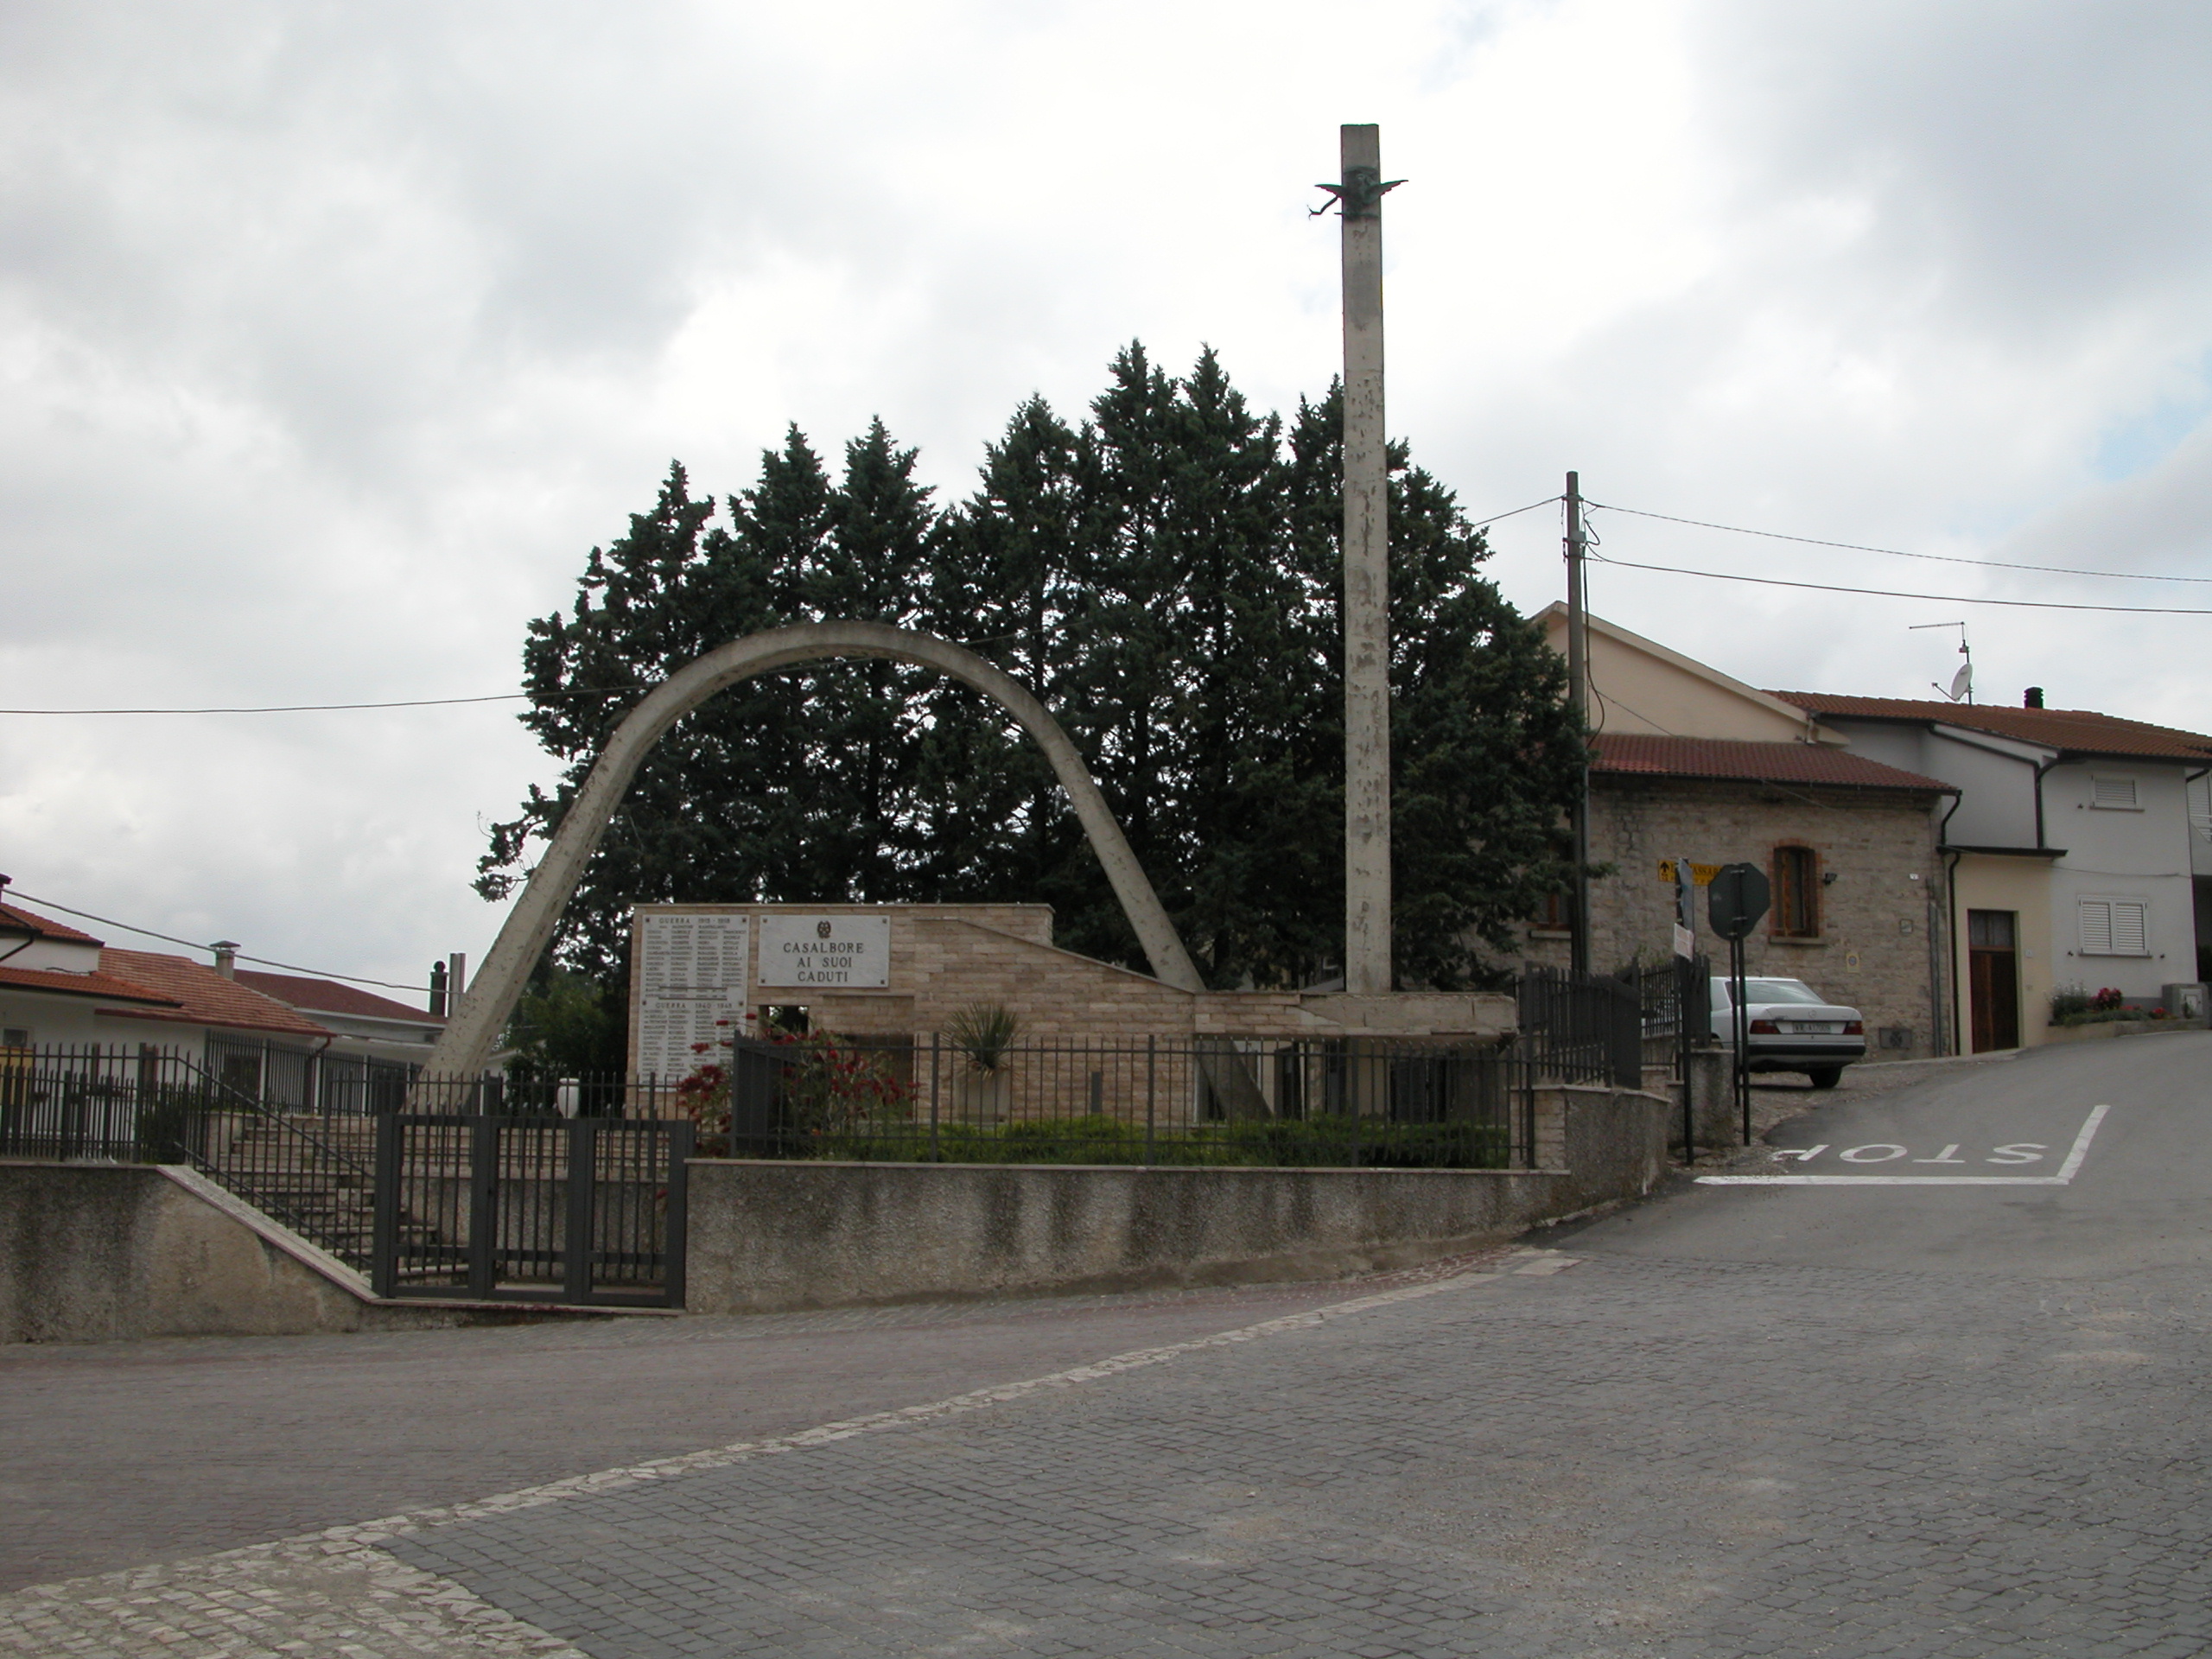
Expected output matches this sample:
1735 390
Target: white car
1792 1027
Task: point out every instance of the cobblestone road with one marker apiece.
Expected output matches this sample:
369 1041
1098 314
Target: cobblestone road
1993 1450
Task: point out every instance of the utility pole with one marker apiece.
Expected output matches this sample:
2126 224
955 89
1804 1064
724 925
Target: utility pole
1367 571
1578 699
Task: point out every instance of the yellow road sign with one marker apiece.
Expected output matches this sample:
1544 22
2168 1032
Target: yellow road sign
1700 874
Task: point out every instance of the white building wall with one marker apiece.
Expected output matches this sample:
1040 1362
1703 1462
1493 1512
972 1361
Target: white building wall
2120 856
2200 825
1997 805
48 1019
56 955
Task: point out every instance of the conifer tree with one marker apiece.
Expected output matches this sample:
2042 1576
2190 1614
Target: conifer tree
1166 576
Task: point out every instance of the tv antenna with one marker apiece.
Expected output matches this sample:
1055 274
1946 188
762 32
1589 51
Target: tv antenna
1961 688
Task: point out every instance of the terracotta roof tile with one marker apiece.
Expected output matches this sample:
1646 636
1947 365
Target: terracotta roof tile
328 996
105 986
204 997
1627 754
12 917
2079 729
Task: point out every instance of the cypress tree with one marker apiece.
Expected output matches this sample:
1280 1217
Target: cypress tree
1166 577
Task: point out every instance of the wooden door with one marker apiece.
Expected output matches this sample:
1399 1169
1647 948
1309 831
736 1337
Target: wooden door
1993 978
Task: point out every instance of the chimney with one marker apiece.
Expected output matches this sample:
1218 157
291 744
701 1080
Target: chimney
438 989
2033 699
226 957
456 979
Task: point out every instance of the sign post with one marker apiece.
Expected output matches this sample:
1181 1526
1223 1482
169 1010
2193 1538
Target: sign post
1686 1002
1734 904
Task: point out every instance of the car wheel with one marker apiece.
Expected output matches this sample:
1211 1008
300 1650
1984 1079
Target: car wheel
1825 1077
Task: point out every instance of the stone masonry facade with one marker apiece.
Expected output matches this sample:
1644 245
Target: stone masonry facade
945 957
1879 888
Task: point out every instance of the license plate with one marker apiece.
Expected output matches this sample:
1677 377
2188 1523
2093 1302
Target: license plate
1816 1028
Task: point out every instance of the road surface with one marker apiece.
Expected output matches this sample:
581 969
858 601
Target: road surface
1944 1397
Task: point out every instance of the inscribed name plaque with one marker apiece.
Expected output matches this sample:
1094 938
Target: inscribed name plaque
690 975
830 953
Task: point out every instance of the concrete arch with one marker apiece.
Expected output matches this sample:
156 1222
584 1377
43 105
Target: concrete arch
471 1035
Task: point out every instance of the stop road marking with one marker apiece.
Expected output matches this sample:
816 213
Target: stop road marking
2014 1153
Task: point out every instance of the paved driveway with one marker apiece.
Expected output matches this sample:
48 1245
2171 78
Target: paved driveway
1913 1414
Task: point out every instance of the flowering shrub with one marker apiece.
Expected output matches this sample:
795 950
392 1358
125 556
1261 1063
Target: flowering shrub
824 1088
2072 1006
704 1098
829 1088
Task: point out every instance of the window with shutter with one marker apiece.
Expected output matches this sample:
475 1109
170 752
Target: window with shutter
2115 927
2096 927
2116 794
2130 938
1796 889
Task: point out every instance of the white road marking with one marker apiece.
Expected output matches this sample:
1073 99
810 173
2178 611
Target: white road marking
2020 1151
2081 1149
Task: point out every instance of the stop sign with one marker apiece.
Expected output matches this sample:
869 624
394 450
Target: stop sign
1736 900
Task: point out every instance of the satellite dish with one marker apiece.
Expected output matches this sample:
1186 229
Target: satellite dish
1962 682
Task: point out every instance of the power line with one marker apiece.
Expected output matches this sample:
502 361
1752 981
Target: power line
1891 593
1901 553
194 945
300 708
1516 513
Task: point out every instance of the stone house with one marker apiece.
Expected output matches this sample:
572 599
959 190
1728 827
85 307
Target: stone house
1692 764
1849 845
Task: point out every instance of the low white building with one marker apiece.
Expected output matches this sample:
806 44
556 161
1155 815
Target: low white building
296 1042
2077 855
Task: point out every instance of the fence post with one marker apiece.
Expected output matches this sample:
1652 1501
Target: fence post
936 1054
1151 1093
1354 1091
676 1238
383 1261
483 1202
577 1245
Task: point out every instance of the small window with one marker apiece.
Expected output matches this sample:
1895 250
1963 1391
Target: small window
2113 794
1557 915
15 1037
1796 892
1989 929
2114 927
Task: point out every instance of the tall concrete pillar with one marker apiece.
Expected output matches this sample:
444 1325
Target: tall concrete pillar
1367 577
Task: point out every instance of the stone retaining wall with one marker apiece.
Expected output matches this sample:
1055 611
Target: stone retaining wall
112 1252
774 1235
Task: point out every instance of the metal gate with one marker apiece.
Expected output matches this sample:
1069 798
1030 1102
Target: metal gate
576 1211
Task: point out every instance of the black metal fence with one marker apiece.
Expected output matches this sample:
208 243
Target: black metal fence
148 1105
1253 1101
1609 1027
1581 1029
488 1207
1675 1000
484 1206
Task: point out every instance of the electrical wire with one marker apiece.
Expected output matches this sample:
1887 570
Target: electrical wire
291 708
1517 512
1898 552
1891 593
194 945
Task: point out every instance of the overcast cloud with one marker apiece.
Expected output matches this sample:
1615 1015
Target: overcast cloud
332 336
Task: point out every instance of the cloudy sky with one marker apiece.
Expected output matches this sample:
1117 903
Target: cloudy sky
333 335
